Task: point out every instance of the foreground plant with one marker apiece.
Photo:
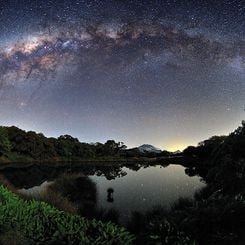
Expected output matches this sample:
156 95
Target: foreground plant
44 224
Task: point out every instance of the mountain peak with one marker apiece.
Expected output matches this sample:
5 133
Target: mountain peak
146 148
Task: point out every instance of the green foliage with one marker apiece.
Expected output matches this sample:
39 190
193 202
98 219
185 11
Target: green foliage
227 163
217 215
34 146
161 231
5 145
44 224
156 227
214 220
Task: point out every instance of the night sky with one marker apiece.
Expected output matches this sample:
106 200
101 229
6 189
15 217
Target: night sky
167 73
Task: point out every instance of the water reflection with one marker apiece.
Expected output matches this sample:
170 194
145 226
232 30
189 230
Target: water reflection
145 188
36 190
108 193
35 175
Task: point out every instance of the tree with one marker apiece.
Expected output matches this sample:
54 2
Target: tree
111 147
5 145
190 151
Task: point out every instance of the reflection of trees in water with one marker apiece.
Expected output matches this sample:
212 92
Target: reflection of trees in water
111 172
82 192
134 167
36 175
196 171
209 215
79 190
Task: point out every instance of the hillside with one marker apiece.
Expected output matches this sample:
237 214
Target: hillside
19 145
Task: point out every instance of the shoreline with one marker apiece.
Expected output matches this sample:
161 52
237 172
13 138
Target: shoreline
178 160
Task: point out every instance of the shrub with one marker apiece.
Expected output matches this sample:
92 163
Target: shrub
44 224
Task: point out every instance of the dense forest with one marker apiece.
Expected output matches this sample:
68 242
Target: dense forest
19 145
215 216
222 161
16 144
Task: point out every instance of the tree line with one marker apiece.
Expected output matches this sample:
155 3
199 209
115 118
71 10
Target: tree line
17 142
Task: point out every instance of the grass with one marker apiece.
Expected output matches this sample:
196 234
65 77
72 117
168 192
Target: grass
41 223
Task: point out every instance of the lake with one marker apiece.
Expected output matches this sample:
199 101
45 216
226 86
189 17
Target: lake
125 189
148 187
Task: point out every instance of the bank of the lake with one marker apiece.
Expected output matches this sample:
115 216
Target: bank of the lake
180 160
108 192
33 222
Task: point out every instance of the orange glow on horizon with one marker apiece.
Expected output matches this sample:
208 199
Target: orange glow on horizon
175 145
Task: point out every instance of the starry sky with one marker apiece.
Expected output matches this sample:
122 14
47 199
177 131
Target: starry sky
166 72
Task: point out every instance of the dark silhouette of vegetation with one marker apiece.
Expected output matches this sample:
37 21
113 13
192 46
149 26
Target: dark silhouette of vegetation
222 161
215 216
155 227
78 190
206 148
17 144
5 144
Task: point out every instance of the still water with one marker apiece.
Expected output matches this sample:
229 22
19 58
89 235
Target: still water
146 188
138 190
